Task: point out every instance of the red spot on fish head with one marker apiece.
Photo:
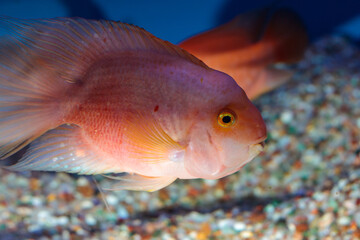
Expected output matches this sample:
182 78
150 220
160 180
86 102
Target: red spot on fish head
156 108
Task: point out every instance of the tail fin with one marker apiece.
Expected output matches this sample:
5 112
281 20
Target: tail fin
282 28
243 30
28 96
287 34
256 39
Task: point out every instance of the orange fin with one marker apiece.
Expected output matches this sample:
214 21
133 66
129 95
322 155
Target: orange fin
240 32
138 182
63 150
259 38
273 79
287 35
148 142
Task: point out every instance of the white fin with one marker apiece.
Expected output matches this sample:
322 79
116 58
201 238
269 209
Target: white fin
138 182
63 149
103 195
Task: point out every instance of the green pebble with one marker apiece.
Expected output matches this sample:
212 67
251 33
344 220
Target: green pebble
157 233
2 227
301 147
291 130
333 204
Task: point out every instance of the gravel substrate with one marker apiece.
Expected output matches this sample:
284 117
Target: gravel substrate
304 186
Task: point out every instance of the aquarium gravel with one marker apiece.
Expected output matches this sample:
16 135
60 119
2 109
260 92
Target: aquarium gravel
305 185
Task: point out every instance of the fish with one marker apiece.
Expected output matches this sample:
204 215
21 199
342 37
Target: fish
103 97
253 48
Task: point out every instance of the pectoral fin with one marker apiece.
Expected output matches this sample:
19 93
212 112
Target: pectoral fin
148 142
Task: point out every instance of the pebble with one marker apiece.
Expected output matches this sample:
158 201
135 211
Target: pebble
344 221
286 117
246 234
122 213
86 204
63 221
90 220
239 226
112 200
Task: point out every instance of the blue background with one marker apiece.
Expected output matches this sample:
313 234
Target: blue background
177 20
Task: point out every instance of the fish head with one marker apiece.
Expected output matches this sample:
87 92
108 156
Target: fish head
226 134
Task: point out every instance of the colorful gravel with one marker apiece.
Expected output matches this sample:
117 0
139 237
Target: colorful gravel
305 185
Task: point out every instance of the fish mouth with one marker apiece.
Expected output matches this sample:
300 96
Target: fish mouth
260 140
255 149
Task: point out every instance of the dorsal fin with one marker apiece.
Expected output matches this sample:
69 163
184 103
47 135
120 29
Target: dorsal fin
73 44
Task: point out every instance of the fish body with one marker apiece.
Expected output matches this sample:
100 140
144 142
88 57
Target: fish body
248 47
99 97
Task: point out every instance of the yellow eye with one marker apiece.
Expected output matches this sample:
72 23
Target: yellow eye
226 118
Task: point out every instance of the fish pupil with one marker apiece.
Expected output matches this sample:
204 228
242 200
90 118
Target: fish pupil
226 119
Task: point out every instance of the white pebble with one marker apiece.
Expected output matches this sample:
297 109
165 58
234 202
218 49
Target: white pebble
34 228
62 220
246 234
112 200
211 182
36 202
82 181
225 223
86 204
344 221
286 117
239 226
90 220
122 213
358 122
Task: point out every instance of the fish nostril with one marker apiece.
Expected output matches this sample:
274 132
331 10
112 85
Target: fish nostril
209 137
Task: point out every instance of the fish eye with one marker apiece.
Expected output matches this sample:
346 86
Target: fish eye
226 118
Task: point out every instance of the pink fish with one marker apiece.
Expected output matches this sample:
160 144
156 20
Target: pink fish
100 97
247 48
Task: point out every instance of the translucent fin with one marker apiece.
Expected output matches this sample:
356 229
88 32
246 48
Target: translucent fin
273 78
148 141
277 77
103 195
63 149
29 96
29 99
138 182
74 44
